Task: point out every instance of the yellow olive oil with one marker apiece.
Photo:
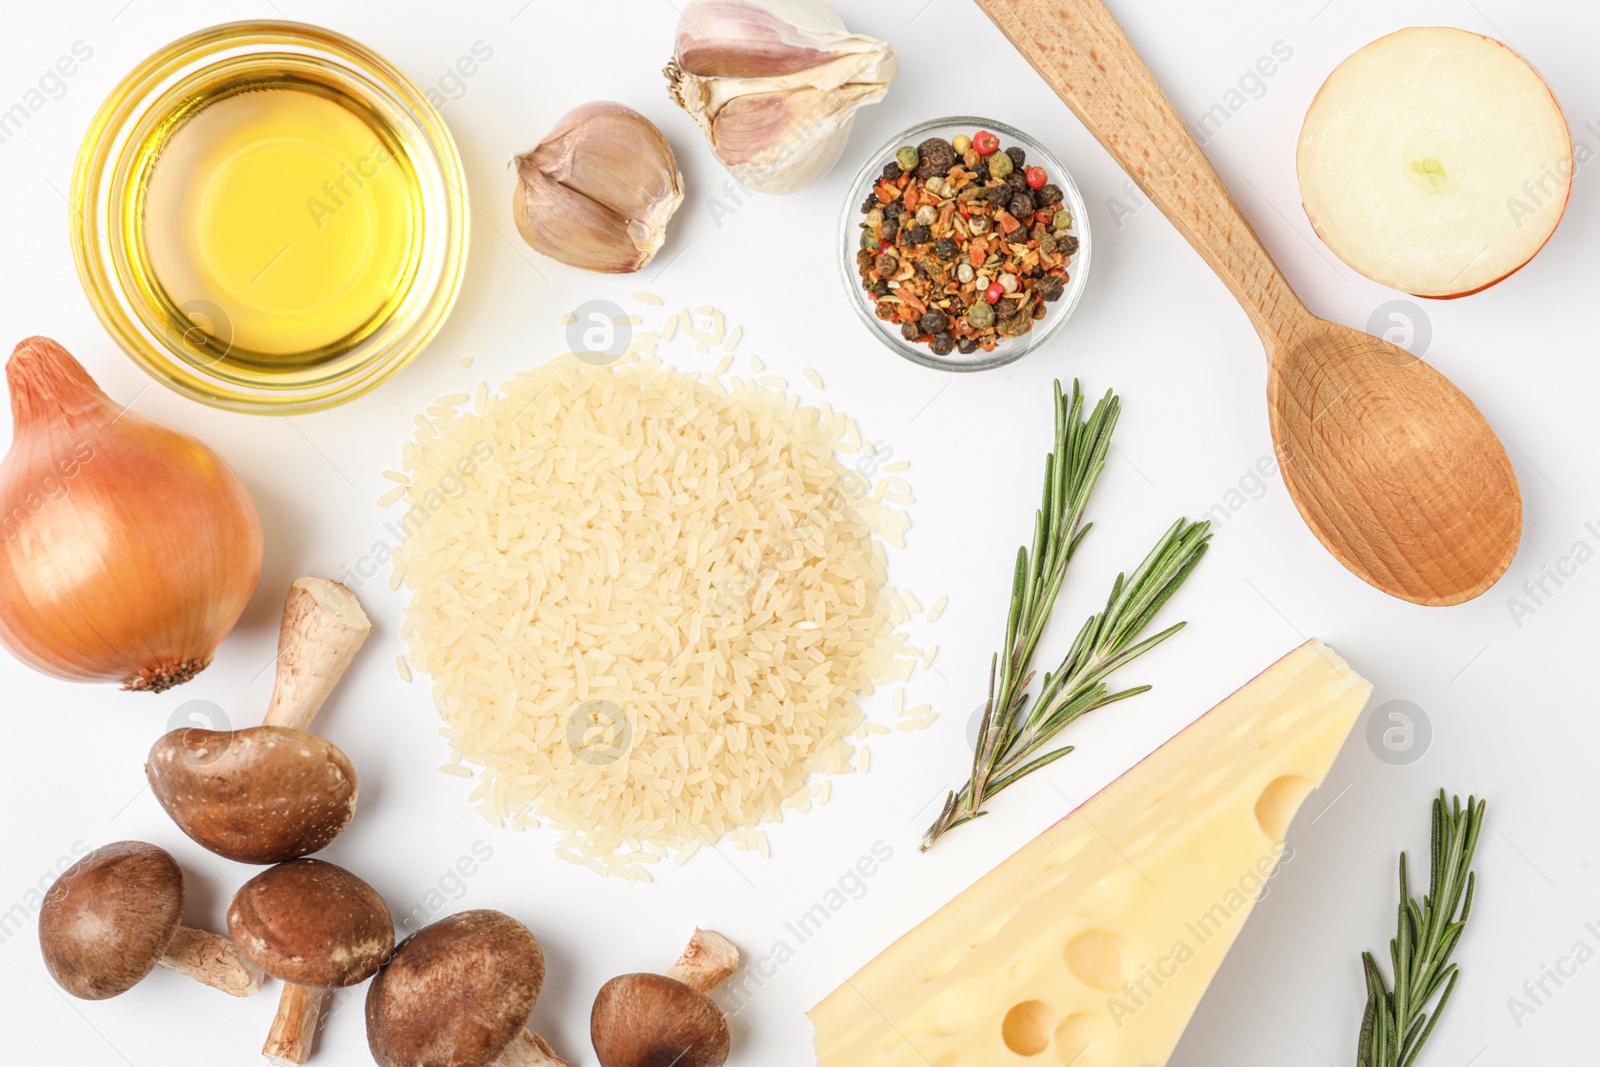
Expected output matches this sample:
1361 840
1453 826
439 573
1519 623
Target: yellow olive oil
278 222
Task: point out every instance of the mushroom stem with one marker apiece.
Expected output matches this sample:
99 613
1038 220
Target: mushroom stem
706 963
323 627
210 958
528 1049
295 1025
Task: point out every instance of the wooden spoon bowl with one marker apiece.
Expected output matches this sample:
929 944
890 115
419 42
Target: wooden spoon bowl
1391 466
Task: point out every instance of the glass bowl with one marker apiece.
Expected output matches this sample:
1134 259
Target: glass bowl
1011 349
188 344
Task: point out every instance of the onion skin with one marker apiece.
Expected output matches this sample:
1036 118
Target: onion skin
128 550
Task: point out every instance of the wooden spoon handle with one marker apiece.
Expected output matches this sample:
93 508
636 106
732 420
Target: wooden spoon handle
1081 51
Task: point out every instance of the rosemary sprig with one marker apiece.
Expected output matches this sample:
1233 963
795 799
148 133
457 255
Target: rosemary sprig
1396 1024
1012 737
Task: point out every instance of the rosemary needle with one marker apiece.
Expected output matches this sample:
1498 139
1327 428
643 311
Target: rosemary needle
1395 1025
1014 740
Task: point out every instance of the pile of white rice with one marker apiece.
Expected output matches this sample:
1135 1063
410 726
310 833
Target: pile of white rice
649 602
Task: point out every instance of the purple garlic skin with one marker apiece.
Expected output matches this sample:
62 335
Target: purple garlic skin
775 85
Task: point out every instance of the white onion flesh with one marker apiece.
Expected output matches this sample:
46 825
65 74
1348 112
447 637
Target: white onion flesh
1435 161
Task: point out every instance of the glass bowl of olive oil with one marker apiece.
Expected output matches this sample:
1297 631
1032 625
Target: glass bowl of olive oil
269 217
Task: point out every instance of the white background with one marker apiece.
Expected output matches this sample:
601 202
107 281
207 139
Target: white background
1511 706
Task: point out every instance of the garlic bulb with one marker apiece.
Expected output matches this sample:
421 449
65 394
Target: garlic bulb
598 190
775 85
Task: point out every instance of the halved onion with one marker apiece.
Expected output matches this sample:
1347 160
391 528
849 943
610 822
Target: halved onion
1436 161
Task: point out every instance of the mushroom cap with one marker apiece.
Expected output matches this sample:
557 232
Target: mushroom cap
650 1020
454 994
261 795
311 923
108 920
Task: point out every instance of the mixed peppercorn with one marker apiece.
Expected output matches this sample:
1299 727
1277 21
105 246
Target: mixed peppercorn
964 245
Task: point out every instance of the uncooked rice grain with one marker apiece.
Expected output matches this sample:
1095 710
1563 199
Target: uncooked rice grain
650 606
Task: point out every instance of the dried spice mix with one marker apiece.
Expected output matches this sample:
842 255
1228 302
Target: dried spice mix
964 245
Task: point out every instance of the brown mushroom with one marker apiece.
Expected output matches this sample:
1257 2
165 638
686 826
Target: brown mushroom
644 1020
261 795
317 927
274 792
458 994
117 914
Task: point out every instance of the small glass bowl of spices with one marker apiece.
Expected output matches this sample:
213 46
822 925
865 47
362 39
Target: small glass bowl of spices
965 244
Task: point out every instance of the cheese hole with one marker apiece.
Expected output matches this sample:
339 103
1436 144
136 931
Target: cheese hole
1099 958
1084 1040
1105 898
1283 722
1026 1029
1278 727
1278 802
1237 734
944 964
1211 781
1174 784
1068 853
986 932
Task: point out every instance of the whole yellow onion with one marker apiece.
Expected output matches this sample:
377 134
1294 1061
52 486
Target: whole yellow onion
127 550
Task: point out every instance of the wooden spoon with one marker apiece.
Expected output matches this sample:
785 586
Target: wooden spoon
1391 466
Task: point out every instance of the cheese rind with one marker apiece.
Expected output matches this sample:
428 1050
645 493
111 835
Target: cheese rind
1093 944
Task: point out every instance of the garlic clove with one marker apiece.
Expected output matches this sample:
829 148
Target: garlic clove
598 191
580 232
775 84
784 142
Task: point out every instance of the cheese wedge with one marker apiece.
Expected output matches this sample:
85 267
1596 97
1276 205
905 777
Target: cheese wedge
1092 946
